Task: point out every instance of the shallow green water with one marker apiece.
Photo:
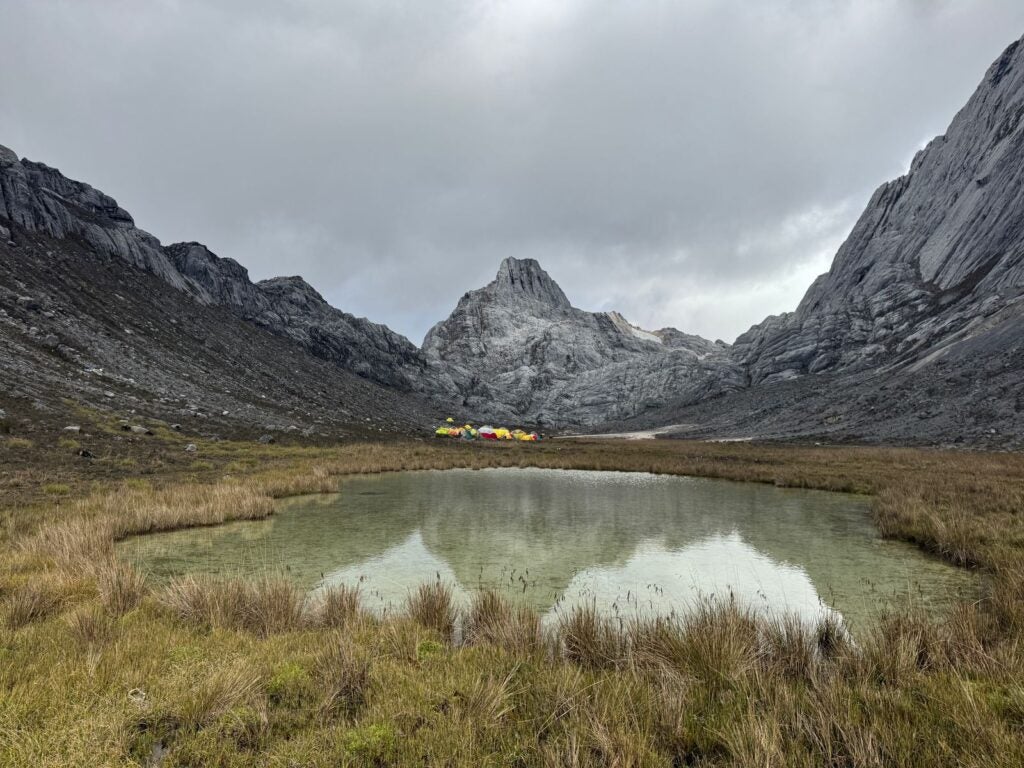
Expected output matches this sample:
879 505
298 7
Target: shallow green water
627 541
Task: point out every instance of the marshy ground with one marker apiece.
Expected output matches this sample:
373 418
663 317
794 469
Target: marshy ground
99 667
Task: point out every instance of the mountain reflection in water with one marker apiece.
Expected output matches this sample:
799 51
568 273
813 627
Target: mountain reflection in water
627 542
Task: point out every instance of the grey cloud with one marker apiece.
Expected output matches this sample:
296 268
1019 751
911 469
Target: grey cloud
691 164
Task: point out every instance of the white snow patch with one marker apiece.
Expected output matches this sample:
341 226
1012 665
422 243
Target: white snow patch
627 327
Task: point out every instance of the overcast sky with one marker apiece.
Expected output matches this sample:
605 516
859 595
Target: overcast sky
692 164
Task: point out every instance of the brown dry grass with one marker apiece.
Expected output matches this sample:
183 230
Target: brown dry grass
494 620
432 606
722 688
265 606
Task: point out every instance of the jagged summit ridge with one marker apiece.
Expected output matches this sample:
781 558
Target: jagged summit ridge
525 278
40 199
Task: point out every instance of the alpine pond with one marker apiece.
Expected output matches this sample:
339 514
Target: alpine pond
627 542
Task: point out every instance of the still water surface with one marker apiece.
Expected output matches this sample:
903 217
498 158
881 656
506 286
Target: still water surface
628 542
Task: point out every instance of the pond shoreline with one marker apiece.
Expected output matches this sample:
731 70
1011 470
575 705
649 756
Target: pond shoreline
775 550
244 674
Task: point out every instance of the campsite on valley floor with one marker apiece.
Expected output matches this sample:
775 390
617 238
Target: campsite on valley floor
469 432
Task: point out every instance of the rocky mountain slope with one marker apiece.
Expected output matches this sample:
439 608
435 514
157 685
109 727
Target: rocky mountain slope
38 199
518 347
915 334
96 313
937 258
924 302
80 329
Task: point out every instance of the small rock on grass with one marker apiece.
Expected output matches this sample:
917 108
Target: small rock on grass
191 448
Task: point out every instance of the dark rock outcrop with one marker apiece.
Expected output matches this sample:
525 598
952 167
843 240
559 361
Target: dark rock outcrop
40 199
291 307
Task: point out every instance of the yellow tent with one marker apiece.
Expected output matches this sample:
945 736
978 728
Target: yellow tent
450 420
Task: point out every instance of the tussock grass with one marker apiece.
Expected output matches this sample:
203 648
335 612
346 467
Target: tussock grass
433 606
121 586
590 639
494 620
267 605
31 602
235 673
718 643
90 626
793 649
220 691
337 606
344 674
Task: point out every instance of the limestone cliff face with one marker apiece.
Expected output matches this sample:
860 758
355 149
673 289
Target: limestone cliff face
518 347
935 253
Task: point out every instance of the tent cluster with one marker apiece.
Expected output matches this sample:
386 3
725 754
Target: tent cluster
469 432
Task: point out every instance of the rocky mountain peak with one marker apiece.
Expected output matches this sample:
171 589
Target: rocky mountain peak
934 251
7 156
294 286
517 349
527 279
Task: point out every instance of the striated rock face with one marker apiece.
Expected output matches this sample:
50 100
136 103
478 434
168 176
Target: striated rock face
291 307
213 279
935 253
77 326
40 199
517 347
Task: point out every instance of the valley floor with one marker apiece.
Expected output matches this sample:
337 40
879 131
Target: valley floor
97 667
